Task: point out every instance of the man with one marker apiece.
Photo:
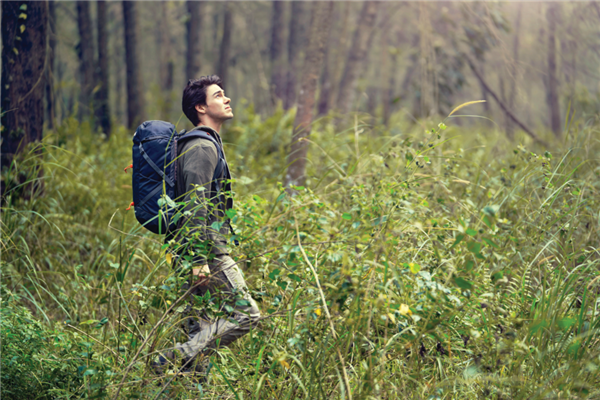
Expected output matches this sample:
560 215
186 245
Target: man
201 232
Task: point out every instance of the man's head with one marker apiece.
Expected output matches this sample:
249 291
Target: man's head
204 101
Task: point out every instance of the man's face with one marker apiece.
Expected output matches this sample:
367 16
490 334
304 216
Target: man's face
217 106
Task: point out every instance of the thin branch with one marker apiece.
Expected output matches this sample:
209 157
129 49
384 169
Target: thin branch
502 105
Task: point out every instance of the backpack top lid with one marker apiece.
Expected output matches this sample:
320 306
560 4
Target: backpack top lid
154 129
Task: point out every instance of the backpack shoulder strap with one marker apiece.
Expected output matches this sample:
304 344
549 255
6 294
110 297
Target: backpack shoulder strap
200 134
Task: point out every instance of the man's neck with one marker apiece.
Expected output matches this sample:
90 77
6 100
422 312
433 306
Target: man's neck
216 125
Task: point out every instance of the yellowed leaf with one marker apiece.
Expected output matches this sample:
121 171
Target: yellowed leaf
318 312
404 310
466 104
461 181
284 364
169 258
22 28
392 318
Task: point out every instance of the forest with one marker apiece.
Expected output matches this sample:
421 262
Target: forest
416 185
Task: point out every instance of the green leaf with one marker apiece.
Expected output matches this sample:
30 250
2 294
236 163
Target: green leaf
217 225
469 266
488 222
89 322
537 326
242 303
414 267
408 156
273 275
491 243
23 7
548 155
471 232
231 213
15 51
566 323
573 348
22 28
474 247
22 16
459 239
462 283
282 284
347 216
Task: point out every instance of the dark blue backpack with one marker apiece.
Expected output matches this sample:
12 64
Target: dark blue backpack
155 172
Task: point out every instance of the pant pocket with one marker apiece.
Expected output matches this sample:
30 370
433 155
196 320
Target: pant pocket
233 274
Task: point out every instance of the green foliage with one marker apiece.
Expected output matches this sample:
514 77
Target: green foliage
453 265
38 362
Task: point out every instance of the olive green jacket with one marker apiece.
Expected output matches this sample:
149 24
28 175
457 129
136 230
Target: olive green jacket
201 229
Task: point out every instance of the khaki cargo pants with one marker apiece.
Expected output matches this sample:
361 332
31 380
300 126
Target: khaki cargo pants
205 334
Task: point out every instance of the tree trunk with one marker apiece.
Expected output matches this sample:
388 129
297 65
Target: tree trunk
102 108
23 73
414 63
552 82
327 76
165 50
326 88
135 95
358 49
390 63
371 90
296 173
86 58
225 44
389 94
276 51
194 45
513 72
50 95
167 64
294 46
333 62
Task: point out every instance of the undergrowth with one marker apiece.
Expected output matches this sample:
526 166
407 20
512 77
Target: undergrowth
452 264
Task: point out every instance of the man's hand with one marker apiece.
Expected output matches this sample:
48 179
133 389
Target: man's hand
200 275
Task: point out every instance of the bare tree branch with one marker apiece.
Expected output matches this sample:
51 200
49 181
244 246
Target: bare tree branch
502 105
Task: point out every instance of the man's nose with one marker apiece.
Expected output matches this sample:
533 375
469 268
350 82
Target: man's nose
227 100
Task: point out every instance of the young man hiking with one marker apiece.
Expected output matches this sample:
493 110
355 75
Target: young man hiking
202 230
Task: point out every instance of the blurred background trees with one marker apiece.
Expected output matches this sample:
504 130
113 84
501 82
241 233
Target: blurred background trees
122 62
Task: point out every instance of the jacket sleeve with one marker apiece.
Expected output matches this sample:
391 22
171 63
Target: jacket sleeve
200 159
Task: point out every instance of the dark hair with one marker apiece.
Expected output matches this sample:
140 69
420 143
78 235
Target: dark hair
195 93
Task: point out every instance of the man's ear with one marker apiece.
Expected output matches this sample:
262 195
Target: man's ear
200 108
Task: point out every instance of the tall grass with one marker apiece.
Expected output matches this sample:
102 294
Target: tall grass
436 263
